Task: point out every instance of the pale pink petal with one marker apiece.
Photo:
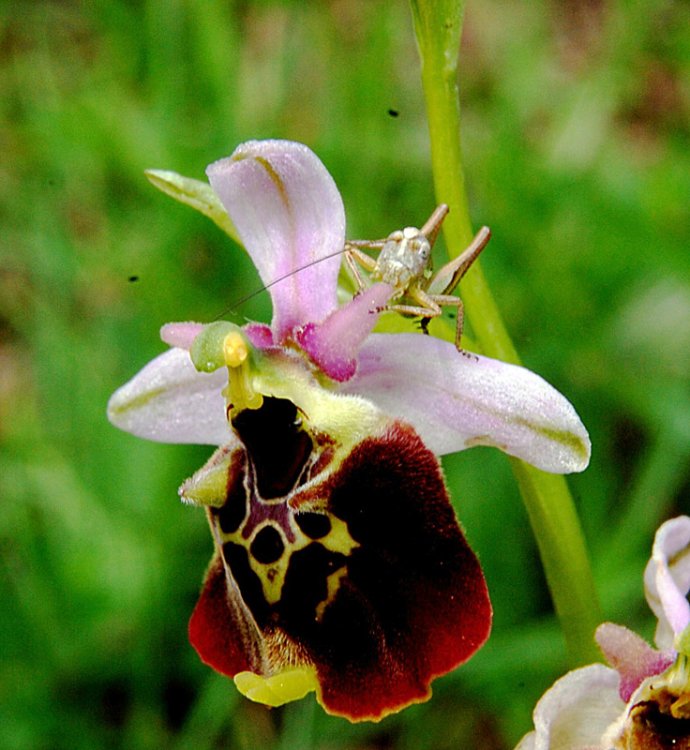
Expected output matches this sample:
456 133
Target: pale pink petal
631 656
334 343
576 711
180 335
667 580
290 217
457 401
171 402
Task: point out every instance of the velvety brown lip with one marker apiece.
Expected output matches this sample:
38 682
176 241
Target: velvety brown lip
379 593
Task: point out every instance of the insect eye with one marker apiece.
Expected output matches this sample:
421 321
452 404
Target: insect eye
423 247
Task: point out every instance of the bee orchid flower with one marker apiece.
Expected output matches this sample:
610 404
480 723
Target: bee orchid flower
339 565
642 700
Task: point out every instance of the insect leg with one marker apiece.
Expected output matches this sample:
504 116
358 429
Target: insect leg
449 276
353 256
426 307
432 225
448 300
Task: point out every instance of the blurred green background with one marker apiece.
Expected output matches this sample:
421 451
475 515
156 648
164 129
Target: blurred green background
577 142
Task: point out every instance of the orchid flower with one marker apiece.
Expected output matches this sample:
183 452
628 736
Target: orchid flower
287 210
339 565
642 701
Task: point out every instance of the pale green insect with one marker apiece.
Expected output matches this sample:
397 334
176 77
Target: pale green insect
404 262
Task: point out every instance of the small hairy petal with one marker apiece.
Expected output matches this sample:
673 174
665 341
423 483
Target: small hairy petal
576 711
170 402
180 335
334 343
667 580
631 656
288 212
457 401
260 335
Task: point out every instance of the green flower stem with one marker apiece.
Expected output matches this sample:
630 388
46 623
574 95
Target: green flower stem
557 529
438 27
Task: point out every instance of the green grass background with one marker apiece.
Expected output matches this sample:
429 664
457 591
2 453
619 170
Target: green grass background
576 134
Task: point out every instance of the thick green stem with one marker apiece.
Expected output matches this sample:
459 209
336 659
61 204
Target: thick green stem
438 26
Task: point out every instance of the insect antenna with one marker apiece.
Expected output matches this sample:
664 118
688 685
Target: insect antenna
233 308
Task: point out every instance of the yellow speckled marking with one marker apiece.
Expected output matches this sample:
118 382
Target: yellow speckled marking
272 575
333 584
338 538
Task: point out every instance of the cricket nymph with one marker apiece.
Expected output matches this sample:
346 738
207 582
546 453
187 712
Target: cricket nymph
404 259
404 262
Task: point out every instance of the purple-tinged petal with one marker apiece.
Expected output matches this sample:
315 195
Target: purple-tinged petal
171 402
260 335
333 344
631 656
667 580
576 711
288 212
457 401
180 335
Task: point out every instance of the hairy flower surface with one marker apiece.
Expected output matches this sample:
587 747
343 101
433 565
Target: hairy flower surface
339 565
641 702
